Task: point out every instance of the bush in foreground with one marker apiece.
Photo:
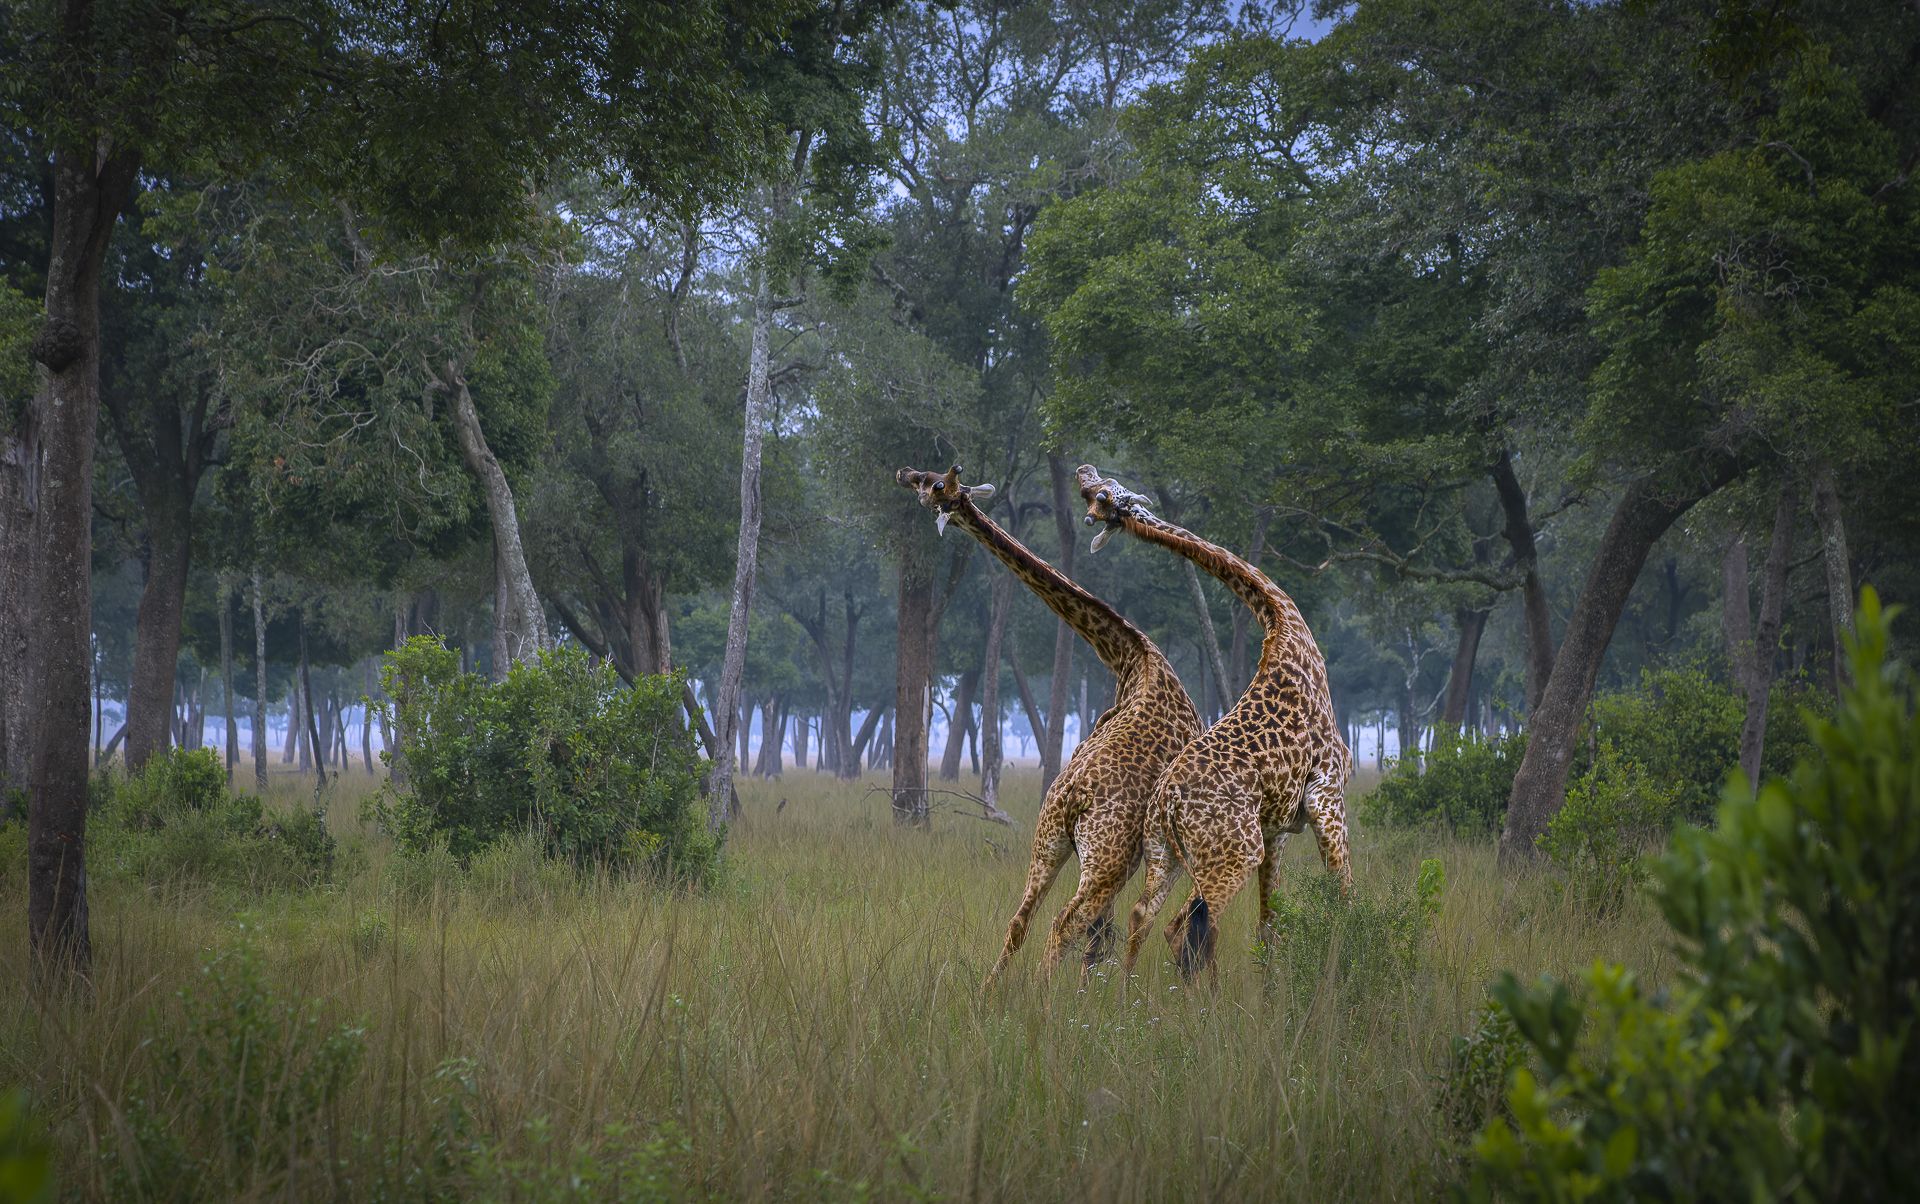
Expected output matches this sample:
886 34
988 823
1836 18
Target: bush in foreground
1786 1064
597 771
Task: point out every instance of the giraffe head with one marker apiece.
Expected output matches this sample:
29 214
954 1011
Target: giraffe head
941 492
1108 501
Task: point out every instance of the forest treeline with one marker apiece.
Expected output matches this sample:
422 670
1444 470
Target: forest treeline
1528 345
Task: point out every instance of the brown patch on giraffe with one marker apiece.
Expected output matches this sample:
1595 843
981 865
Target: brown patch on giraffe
1274 764
1097 805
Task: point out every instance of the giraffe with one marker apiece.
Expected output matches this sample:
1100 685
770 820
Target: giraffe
1095 806
1272 765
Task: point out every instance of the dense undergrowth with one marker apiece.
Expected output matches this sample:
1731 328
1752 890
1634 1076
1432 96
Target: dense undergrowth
340 1015
808 1025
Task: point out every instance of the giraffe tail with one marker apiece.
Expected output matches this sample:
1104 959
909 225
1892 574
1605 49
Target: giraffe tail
1196 946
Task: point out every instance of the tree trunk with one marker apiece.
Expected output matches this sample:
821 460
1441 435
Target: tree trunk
1472 624
366 715
844 749
1409 727
1035 719
957 729
292 749
800 732
1649 506
747 553
226 674
910 699
1833 553
259 686
1533 593
156 646
743 730
857 744
1209 642
19 498
1239 664
306 702
1752 651
91 184
519 623
1064 636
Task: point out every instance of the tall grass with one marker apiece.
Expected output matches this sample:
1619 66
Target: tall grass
810 1027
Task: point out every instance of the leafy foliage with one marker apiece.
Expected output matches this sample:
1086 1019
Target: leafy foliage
1361 946
243 1088
176 821
560 748
1786 1061
26 1160
1615 812
1462 786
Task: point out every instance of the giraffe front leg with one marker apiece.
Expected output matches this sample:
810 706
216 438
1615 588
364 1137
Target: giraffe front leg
1327 812
1049 854
1269 870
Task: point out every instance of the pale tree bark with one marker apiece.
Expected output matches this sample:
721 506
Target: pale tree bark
1064 637
747 549
1649 506
226 673
1833 553
519 623
91 184
366 715
259 686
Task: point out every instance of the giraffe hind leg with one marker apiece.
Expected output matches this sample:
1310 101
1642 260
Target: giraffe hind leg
1199 935
1100 939
1100 880
1327 813
1048 857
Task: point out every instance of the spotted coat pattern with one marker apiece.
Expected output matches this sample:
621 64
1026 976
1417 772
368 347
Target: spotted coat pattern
1274 764
1095 807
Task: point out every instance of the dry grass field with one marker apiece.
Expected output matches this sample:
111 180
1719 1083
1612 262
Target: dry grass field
811 1027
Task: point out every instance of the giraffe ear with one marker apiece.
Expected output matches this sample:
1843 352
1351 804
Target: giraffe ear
981 493
1100 539
940 521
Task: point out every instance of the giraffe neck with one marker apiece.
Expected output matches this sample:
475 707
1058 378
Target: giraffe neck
1120 645
1278 615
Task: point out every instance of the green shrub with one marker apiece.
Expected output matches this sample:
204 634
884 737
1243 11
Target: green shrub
176 820
1683 727
26 1157
1362 947
1461 786
598 770
1479 1066
242 1089
1615 813
1786 1062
